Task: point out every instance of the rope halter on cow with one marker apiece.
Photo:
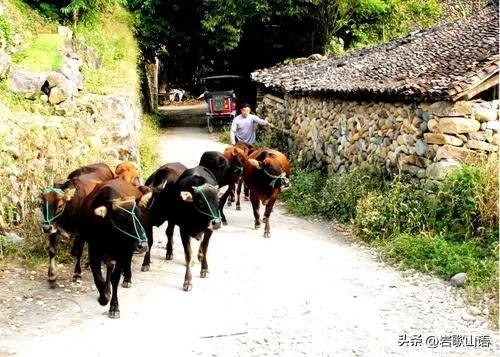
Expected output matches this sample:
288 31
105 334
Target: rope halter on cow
139 233
274 177
238 169
214 213
46 218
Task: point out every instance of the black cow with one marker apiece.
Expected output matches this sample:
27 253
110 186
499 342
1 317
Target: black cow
113 220
224 173
168 173
190 203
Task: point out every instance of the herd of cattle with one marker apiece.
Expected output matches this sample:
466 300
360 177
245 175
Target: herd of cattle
114 214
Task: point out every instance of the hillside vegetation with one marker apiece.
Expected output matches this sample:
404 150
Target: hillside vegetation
54 145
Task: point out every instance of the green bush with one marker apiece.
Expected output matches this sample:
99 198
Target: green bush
341 193
148 147
303 196
401 208
43 54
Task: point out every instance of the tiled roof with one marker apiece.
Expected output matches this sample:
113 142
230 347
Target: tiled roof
439 63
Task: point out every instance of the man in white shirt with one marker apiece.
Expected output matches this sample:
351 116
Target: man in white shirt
243 129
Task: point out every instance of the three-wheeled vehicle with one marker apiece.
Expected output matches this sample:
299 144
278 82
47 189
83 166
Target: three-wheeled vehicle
220 95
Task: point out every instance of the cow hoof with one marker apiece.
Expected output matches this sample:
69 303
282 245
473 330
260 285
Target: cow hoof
127 284
103 300
238 208
187 286
52 284
145 268
169 256
204 273
224 222
114 314
267 234
229 204
77 278
257 226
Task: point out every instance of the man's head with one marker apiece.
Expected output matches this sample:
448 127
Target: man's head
245 110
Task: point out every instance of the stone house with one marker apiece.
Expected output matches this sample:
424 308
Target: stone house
420 104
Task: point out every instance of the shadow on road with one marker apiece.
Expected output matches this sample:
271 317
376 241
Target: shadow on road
188 115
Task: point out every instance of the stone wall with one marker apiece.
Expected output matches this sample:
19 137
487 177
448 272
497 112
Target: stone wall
425 139
37 151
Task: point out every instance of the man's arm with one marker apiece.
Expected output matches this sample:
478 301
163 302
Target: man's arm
262 122
233 132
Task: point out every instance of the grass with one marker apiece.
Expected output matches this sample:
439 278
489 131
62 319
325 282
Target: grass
113 39
43 54
148 148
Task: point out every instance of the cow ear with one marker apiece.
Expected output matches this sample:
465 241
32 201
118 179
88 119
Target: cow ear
187 196
101 211
255 163
221 191
235 151
69 193
145 199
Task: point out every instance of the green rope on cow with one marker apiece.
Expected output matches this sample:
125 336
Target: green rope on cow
211 214
140 232
46 215
275 178
46 218
238 170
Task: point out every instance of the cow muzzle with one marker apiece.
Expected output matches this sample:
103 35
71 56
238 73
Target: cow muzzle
285 184
215 224
141 247
48 229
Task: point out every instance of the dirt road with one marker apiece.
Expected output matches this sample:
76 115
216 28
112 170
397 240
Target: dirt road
306 291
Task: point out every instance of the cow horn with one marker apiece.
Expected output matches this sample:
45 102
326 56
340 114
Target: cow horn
69 193
221 191
255 163
145 199
187 196
161 185
101 211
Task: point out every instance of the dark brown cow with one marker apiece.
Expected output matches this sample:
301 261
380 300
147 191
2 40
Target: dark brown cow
113 219
61 209
248 149
166 174
266 173
236 158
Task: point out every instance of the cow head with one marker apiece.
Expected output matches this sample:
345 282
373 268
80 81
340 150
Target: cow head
205 199
124 216
271 167
238 158
53 204
128 172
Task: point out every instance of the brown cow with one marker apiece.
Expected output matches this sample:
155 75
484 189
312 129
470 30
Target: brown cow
128 172
61 208
236 158
248 149
266 173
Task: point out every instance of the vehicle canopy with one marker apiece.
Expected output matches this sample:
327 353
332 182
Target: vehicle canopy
220 83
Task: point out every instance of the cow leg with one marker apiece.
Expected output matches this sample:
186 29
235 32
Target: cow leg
222 202
267 215
114 309
147 257
95 264
170 236
246 190
186 243
127 277
77 251
238 192
256 207
52 276
202 253
231 194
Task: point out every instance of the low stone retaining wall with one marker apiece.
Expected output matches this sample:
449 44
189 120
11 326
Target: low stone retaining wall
425 139
37 151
